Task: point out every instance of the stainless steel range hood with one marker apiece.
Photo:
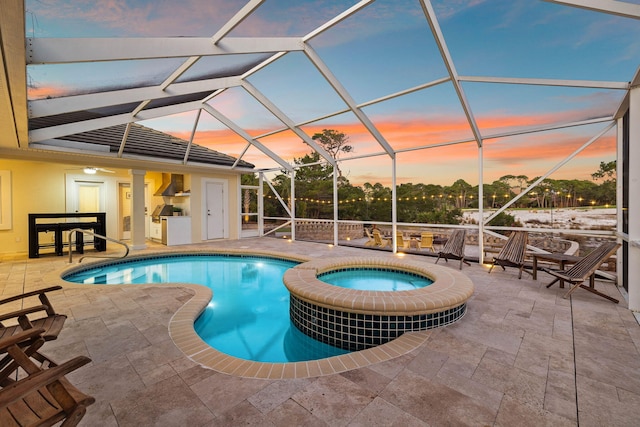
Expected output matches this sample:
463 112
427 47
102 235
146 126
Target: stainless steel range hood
171 184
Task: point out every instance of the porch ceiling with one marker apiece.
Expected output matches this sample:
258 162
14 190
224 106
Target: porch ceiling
189 74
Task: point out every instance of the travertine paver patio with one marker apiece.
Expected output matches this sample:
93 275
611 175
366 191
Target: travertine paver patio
522 356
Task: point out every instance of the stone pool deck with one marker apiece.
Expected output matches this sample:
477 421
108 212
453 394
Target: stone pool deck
522 355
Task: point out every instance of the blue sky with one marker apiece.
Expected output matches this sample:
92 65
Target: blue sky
384 48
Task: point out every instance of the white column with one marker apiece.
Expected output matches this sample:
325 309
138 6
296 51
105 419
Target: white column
138 240
335 205
481 205
394 206
261 204
634 199
293 204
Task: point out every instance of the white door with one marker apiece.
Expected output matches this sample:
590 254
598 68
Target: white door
88 196
214 205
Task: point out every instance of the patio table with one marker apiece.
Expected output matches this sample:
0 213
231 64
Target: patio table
561 259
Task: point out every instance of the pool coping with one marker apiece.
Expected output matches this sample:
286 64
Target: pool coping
182 332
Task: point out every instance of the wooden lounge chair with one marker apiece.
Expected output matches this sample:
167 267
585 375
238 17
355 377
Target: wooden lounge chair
454 247
512 253
401 243
32 316
43 397
371 240
379 241
426 241
586 269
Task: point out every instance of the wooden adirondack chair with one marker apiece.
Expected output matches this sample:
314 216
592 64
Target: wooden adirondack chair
512 253
401 243
379 241
426 241
43 397
32 316
454 247
371 240
586 269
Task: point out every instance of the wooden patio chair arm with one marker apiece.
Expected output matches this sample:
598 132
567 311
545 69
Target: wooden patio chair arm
23 336
33 382
23 312
30 294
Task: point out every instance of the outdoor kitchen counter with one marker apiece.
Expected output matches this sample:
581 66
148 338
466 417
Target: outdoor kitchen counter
176 230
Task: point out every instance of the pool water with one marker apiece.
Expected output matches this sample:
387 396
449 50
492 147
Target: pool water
374 279
248 316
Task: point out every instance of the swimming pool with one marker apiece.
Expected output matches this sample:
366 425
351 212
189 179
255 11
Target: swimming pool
247 318
375 279
375 326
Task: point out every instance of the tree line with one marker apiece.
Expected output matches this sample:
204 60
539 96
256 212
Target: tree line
423 203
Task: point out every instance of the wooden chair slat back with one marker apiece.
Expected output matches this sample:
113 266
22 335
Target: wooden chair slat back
589 264
455 243
515 247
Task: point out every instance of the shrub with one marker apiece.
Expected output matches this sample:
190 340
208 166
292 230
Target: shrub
504 219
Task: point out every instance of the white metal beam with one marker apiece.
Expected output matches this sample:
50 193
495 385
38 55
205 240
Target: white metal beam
264 63
282 202
364 104
193 134
242 14
273 109
346 97
620 8
69 50
48 107
140 107
430 14
624 104
341 17
241 155
634 200
547 82
52 132
545 128
549 172
241 132
179 71
125 136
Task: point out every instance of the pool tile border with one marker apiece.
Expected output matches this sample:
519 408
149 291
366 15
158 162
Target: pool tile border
183 334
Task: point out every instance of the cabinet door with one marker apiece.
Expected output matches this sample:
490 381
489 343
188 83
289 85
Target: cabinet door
155 230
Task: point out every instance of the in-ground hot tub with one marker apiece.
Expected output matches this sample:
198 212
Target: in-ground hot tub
359 319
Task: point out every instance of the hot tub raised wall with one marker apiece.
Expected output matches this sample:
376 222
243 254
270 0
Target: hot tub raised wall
356 319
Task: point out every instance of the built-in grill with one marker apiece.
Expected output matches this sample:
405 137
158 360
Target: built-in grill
161 210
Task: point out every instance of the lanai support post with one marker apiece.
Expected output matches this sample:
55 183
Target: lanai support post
138 239
634 199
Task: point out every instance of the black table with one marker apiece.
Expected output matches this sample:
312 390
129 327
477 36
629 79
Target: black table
98 226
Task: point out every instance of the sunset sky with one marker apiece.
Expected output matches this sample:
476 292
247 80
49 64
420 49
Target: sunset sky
385 48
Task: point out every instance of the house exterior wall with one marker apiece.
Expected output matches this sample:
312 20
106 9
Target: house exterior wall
40 187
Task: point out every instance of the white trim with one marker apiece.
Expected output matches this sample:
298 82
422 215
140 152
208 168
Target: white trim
5 200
